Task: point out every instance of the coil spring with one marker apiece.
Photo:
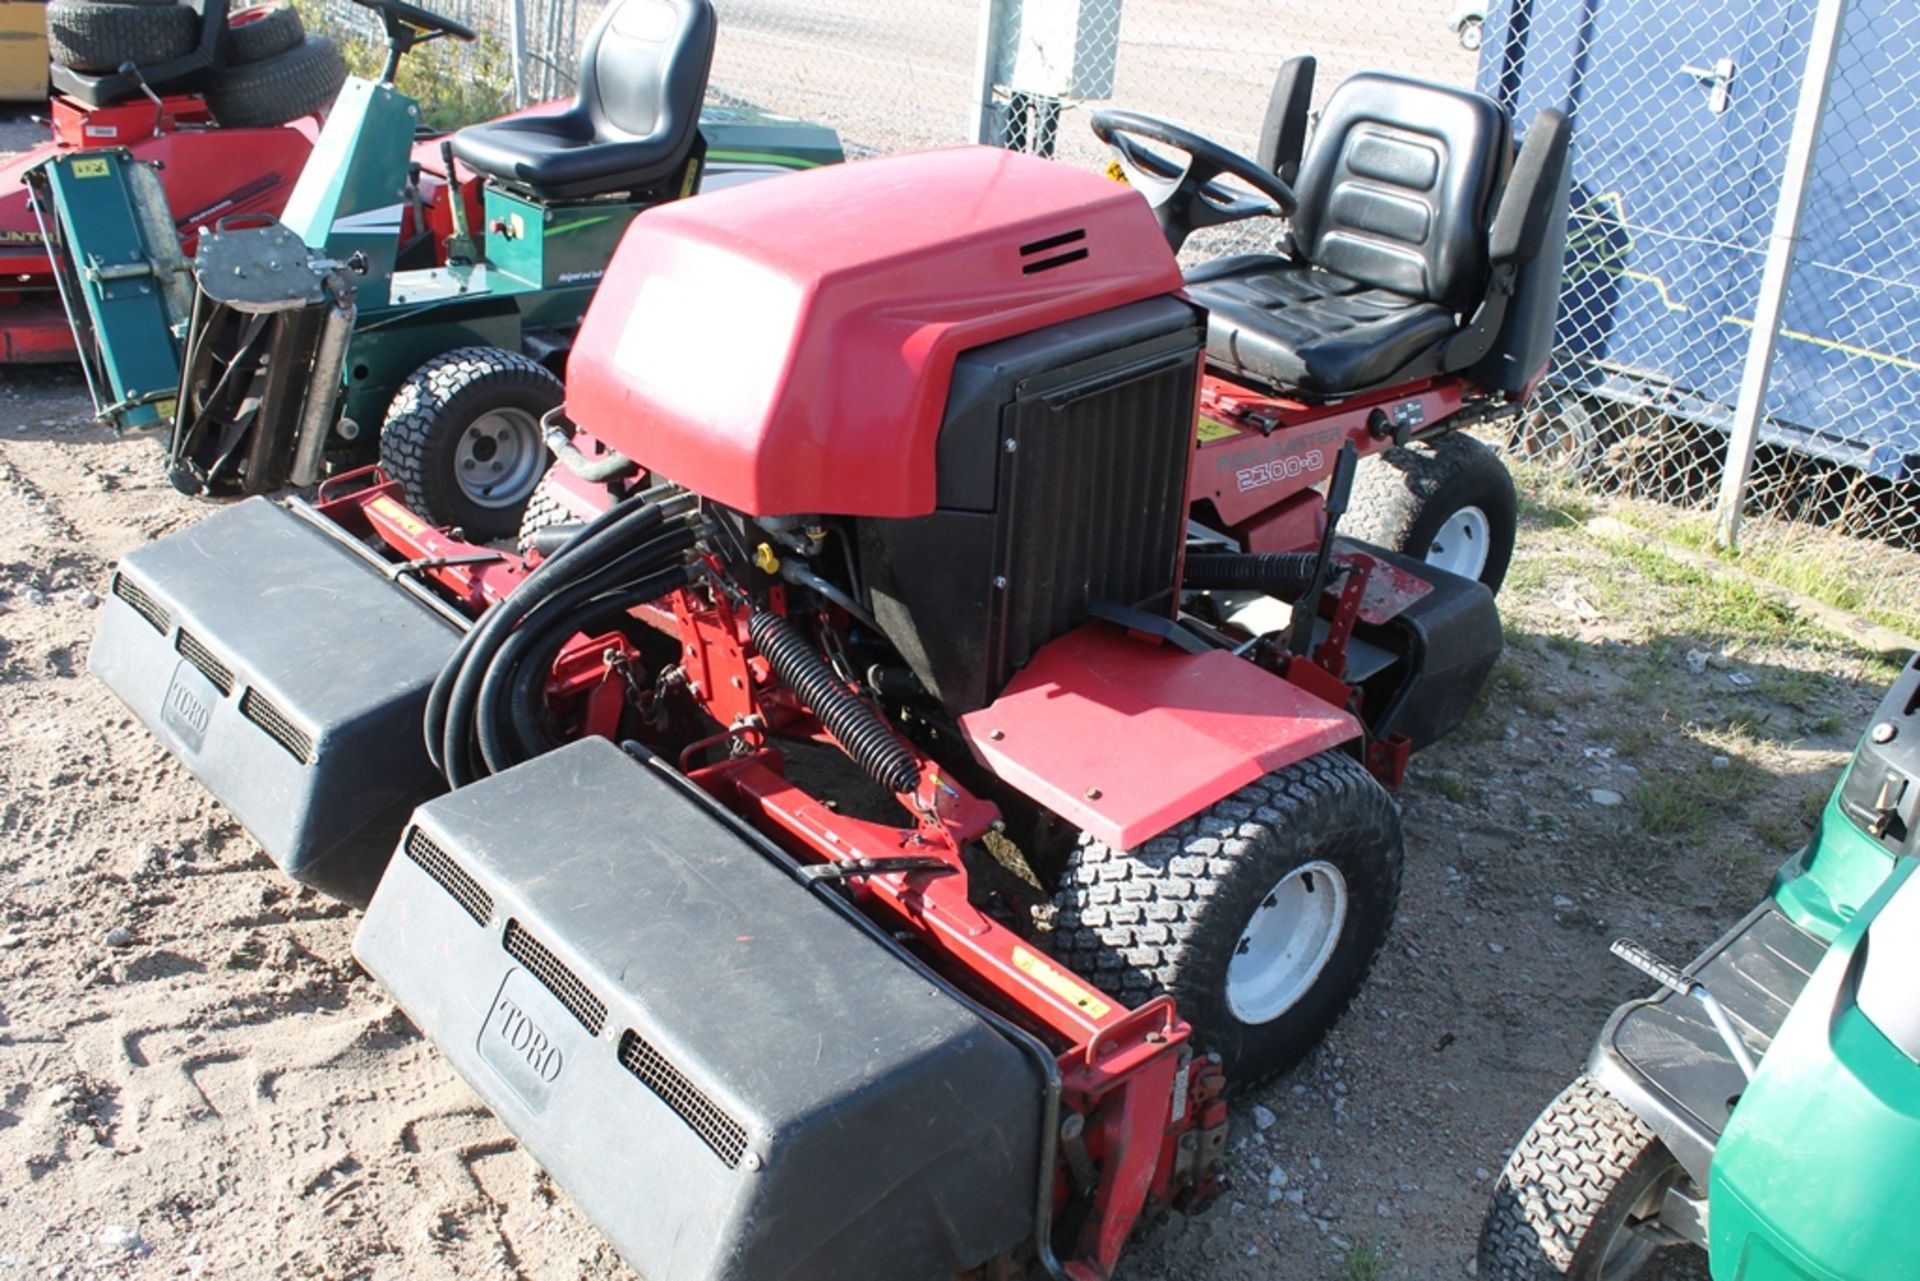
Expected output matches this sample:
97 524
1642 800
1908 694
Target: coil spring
1287 575
861 732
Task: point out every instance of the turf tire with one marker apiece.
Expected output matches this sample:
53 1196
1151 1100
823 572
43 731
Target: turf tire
1403 497
299 82
1168 916
1569 1187
94 36
419 444
267 34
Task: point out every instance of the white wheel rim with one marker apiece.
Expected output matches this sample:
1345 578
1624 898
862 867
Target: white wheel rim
1286 945
1461 545
499 458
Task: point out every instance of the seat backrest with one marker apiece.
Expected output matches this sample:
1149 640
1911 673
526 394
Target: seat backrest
1397 187
644 71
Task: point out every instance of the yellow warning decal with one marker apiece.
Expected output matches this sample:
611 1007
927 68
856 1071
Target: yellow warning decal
1115 172
90 167
399 515
1214 429
1043 972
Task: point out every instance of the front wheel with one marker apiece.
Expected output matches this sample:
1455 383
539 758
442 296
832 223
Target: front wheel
1449 502
463 437
1580 1196
1260 916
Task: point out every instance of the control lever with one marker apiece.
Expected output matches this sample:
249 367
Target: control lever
1339 490
129 71
1680 983
460 246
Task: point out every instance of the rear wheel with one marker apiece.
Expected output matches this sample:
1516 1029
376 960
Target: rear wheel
1580 1196
463 437
1260 916
1449 502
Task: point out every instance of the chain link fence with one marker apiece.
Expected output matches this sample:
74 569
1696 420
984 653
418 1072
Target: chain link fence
1682 118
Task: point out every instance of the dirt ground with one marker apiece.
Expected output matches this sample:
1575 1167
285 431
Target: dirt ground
195 1078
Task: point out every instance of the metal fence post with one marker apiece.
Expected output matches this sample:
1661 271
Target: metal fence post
994 15
1829 20
518 35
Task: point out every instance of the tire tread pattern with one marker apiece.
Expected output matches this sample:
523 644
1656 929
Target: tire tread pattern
1582 1151
1391 490
267 36
1129 920
413 417
299 82
94 36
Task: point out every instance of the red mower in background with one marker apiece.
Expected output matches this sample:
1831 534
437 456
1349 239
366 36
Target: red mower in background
227 106
928 481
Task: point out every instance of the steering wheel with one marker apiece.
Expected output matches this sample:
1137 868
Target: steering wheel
419 19
1187 196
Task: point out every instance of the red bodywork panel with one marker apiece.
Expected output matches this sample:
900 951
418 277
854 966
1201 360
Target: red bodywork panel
787 347
1124 737
209 173
1259 453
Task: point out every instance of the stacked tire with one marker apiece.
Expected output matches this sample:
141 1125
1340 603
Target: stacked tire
276 71
96 36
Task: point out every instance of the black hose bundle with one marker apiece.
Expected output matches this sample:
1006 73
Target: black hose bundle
483 713
1286 575
860 730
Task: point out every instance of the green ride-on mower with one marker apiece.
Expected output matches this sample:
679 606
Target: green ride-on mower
1764 1104
287 348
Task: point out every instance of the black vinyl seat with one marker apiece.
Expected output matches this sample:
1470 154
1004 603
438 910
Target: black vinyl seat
1388 245
633 125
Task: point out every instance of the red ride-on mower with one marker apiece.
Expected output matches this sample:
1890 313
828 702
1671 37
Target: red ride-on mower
889 469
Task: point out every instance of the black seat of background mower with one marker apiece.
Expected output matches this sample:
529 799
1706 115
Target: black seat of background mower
1391 247
633 124
183 74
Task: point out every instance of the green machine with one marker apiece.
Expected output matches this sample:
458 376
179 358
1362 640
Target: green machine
388 312
1765 1103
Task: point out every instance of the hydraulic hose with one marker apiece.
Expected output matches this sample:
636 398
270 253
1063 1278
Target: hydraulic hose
605 541
1286 575
441 694
860 730
513 693
487 668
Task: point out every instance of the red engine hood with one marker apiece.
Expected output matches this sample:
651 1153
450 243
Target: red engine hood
786 347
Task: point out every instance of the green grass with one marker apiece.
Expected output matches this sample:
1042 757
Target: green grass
1366 1262
1685 803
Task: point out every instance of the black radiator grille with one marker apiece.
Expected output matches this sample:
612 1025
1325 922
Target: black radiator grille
144 605
726 1136
260 709
201 657
558 979
453 878
1095 505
